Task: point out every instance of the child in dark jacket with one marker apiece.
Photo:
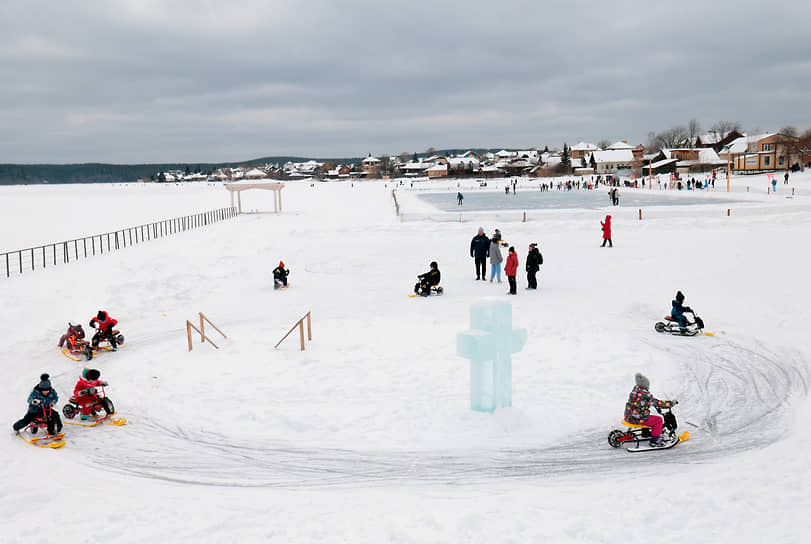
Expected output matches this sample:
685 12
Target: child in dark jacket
428 280
678 310
534 262
42 403
637 409
280 276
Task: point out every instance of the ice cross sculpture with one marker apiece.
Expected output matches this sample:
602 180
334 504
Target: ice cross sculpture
488 345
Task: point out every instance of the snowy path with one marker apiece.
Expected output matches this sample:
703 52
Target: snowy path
759 384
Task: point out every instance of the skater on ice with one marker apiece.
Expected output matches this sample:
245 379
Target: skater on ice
280 274
41 401
105 323
429 281
637 409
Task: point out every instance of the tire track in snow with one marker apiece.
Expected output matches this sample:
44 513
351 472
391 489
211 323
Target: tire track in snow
733 398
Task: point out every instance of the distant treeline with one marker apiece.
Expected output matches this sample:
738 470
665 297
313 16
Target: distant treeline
24 174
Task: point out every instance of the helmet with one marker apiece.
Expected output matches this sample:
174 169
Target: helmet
91 374
679 297
434 265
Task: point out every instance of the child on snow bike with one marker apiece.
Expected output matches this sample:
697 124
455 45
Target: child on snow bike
84 394
428 280
41 408
105 325
73 334
637 409
678 311
280 276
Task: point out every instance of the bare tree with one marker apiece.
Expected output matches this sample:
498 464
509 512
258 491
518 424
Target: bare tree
694 130
430 151
604 144
404 156
722 128
790 130
385 164
677 136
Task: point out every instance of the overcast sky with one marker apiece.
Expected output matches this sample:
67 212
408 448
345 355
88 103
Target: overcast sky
134 81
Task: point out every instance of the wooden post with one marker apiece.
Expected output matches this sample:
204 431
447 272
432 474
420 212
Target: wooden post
524 220
188 333
301 333
202 328
792 191
640 214
309 328
727 212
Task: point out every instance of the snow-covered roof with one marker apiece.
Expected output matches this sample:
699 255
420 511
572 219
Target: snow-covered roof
614 155
438 168
370 160
620 145
411 165
659 164
254 173
583 146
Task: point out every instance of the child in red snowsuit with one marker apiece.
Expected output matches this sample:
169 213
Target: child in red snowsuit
85 391
105 324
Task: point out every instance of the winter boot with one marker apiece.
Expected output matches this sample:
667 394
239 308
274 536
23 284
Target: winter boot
657 442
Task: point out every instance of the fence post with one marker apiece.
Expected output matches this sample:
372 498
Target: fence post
524 220
301 334
640 214
309 328
727 212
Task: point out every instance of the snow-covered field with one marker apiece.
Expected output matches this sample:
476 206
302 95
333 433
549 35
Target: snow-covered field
367 436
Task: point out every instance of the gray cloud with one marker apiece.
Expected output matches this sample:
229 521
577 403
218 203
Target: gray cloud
148 81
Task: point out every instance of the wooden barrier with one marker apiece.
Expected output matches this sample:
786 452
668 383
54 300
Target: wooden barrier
300 325
640 214
202 331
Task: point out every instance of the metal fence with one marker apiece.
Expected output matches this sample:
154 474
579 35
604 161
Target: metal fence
16 262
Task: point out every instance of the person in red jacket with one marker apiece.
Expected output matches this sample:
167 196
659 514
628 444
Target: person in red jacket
105 325
511 268
607 231
85 391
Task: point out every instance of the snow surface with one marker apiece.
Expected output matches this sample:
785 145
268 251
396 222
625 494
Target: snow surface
367 435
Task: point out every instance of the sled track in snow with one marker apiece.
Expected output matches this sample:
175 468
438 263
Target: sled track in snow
734 398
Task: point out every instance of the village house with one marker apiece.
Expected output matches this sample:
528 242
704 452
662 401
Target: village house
370 165
763 152
581 149
437 171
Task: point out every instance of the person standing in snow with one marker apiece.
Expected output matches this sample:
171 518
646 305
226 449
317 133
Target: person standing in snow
534 262
495 257
511 268
637 409
607 231
459 198
480 250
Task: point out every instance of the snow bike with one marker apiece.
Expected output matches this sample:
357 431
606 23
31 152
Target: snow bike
46 421
279 284
75 345
671 325
102 343
101 403
433 290
638 435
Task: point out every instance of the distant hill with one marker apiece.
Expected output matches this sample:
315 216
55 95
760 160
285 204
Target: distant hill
25 174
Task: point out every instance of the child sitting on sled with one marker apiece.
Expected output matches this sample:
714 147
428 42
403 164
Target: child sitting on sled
85 391
428 280
74 333
637 409
105 325
41 404
280 276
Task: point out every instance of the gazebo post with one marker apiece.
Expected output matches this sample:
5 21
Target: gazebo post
239 200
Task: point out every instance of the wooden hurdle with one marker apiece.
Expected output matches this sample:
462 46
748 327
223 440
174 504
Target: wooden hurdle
300 325
202 331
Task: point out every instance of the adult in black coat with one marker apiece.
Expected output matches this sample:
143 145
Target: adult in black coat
534 262
480 250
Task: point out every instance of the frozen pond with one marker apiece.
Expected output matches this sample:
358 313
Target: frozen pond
576 199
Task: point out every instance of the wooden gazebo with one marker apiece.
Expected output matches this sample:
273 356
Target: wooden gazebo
274 186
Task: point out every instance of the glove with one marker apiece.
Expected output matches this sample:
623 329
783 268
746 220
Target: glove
688 309
92 324
88 391
104 384
674 402
36 402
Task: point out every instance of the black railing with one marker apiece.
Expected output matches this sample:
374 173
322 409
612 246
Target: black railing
72 250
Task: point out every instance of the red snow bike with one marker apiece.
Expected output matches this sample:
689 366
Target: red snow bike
93 395
46 421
